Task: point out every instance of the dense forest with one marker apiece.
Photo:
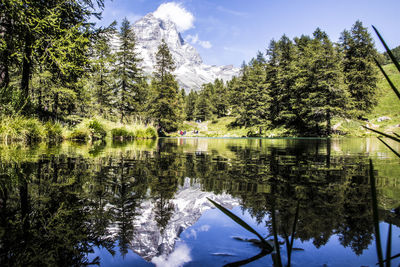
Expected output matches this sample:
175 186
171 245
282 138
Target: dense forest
298 84
57 66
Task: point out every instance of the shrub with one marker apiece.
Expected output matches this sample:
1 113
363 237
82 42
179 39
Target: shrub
140 133
97 130
151 132
33 129
80 134
54 131
121 132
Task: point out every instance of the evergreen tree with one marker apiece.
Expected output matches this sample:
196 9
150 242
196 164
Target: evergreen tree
286 78
102 61
128 73
190 105
204 108
359 67
271 73
220 98
50 34
255 99
164 106
321 90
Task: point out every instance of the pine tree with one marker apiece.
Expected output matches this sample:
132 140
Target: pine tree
190 103
164 106
220 98
286 78
102 61
50 34
322 91
271 73
128 74
255 99
203 108
359 67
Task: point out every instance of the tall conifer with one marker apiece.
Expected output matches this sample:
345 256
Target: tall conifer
129 76
164 105
359 67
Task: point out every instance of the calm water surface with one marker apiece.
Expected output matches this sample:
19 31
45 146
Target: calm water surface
145 203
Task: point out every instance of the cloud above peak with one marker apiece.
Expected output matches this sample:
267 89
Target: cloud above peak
176 13
194 39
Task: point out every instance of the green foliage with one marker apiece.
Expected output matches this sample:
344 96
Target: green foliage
138 132
394 137
190 102
203 108
122 132
19 128
151 132
80 134
359 68
396 53
130 83
301 86
165 102
97 129
54 131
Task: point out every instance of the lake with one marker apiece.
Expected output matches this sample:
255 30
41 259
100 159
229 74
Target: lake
144 203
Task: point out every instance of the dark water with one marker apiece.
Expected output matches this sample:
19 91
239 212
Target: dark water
145 203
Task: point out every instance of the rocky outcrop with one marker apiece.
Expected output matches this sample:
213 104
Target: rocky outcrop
190 71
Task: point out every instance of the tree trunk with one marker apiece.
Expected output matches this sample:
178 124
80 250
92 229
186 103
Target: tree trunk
328 122
26 67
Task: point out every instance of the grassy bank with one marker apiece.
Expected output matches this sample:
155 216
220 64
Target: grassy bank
383 118
23 129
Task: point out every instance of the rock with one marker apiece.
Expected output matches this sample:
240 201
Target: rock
190 71
189 203
384 118
371 125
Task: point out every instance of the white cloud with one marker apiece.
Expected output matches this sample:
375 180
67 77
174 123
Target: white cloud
180 256
194 39
193 233
176 13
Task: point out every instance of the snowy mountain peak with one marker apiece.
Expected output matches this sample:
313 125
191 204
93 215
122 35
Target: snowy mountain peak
190 71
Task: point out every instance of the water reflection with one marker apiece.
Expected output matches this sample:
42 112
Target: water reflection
57 204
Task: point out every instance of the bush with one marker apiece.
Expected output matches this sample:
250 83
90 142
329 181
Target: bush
80 134
151 132
54 131
121 132
97 130
140 133
33 129
21 128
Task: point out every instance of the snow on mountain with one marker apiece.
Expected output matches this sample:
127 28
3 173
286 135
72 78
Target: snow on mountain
189 203
190 71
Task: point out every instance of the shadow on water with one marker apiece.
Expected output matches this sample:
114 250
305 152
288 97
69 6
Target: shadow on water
59 203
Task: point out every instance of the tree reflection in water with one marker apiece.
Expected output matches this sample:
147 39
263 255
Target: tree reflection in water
57 205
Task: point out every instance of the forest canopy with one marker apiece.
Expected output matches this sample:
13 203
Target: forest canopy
55 65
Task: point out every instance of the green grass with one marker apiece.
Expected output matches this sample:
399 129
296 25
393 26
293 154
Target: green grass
100 129
22 129
388 105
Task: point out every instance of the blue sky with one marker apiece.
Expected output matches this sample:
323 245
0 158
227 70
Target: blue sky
231 31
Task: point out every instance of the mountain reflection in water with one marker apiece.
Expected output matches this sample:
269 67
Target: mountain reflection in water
80 204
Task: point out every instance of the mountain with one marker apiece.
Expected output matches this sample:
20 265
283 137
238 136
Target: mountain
189 203
190 71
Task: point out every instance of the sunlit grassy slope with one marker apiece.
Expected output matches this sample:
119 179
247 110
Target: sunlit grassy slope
388 106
